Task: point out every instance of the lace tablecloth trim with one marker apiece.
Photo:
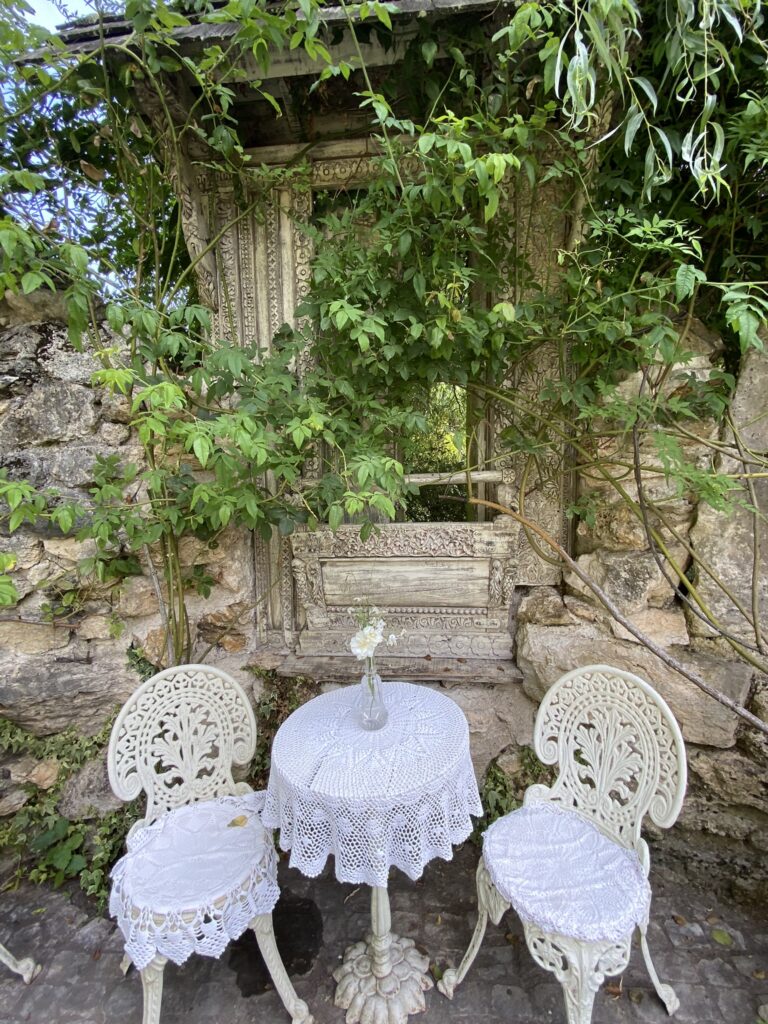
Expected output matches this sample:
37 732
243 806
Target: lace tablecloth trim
367 840
178 929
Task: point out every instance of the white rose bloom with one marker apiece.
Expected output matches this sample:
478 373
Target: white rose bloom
364 643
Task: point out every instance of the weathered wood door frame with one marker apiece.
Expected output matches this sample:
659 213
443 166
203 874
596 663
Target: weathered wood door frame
455 581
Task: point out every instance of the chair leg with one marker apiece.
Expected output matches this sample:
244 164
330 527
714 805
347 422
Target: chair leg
152 983
265 936
665 992
490 904
580 967
454 976
27 967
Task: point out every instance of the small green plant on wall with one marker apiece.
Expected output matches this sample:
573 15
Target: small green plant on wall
503 791
45 845
280 696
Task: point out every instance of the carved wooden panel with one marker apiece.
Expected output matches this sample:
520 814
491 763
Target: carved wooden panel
446 587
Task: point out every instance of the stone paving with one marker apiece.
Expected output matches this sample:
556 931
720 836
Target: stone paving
714 952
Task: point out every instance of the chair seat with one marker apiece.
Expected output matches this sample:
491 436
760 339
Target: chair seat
561 873
194 879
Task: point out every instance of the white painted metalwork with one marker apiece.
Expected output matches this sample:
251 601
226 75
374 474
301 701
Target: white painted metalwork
200 866
400 796
27 967
572 861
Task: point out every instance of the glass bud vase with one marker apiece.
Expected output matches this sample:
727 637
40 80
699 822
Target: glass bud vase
372 709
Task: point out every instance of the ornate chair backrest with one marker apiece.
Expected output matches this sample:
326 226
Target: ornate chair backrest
178 736
619 752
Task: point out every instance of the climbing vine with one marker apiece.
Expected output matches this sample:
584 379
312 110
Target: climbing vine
642 127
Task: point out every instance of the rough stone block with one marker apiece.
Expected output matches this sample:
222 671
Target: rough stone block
95 627
137 598
544 653
498 716
632 580
731 777
67 549
88 794
664 625
76 687
726 542
51 413
32 637
544 606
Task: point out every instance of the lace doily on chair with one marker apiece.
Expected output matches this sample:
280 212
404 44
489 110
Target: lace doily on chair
194 879
399 796
561 873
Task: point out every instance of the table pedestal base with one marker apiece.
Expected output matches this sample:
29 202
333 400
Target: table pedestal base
383 979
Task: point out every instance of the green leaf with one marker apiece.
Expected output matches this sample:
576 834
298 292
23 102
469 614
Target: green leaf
30 281
429 52
722 937
201 446
686 279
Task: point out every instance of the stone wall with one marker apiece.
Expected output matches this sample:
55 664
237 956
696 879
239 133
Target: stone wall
74 672
724 822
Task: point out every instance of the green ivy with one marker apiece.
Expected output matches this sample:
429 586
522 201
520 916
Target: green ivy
280 695
45 845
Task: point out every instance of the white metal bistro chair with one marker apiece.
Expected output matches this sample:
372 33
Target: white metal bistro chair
572 861
200 866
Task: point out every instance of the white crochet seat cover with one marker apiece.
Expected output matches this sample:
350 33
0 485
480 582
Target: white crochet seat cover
561 873
194 879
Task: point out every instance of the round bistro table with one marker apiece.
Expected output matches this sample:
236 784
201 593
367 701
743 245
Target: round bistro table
396 797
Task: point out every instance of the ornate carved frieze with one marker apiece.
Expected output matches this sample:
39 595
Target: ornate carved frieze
432 619
488 646
410 539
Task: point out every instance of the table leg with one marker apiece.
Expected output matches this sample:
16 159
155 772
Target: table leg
383 979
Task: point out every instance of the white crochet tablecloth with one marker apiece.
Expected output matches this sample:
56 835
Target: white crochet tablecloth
194 879
399 796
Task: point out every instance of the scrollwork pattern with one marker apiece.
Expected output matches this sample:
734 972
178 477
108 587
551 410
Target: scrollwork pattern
618 749
178 736
580 967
